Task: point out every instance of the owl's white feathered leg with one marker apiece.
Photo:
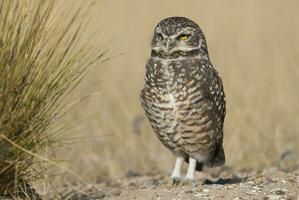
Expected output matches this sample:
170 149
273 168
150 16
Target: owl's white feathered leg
191 169
176 173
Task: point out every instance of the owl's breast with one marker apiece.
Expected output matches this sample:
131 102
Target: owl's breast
177 103
173 93
173 83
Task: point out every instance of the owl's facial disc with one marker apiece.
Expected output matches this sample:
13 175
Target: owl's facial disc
176 37
178 44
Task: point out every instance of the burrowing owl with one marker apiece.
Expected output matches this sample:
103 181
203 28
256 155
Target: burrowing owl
183 96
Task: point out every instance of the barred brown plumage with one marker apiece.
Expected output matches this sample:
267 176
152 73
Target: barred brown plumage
183 96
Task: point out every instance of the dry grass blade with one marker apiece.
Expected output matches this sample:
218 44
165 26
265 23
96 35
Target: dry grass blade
41 60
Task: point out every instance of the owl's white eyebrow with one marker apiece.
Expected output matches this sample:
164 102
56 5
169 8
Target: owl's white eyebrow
185 31
160 32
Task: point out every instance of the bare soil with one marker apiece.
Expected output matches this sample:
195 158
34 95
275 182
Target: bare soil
269 184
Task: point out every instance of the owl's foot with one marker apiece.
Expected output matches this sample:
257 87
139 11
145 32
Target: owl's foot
176 173
176 180
191 169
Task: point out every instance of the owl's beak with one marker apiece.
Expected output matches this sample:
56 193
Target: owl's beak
169 44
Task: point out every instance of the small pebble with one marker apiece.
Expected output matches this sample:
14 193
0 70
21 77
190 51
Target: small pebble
189 191
279 192
206 190
272 197
143 187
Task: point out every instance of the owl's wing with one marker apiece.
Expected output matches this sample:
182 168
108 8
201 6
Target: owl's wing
214 86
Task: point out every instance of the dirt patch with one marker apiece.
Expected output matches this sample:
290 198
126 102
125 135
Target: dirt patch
223 184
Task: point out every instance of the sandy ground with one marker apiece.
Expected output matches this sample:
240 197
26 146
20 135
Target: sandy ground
223 184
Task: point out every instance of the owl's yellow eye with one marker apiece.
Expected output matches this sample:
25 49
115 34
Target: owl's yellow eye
184 37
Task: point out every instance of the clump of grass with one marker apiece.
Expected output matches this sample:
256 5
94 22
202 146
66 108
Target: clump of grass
42 58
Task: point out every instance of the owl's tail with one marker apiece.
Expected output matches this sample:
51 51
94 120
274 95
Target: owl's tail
219 157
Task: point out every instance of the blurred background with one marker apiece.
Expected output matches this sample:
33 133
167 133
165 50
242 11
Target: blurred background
253 44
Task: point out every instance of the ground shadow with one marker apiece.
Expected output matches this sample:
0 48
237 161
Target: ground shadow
224 181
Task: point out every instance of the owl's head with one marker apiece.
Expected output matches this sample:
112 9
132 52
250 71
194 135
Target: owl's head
178 37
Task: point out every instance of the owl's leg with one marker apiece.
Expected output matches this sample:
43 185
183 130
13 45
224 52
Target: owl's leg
176 173
191 169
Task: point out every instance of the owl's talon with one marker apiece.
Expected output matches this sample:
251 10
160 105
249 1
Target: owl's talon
176 181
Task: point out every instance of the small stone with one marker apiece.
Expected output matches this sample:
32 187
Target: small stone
270 180
279 192
189 191
143 187
199 195
229 187
237 198
133 185
250 182
206 190
272 197
157 197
